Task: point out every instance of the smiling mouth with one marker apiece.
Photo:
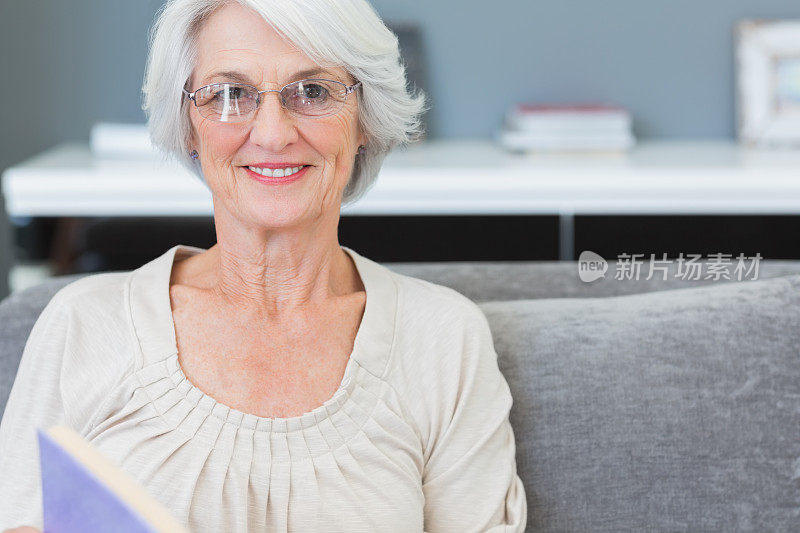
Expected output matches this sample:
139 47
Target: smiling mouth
277 172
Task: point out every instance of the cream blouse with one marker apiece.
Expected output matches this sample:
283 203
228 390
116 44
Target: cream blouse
415 438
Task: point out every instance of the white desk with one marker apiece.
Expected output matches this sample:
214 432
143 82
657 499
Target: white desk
447 177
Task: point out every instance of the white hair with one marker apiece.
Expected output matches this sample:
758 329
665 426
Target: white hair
333 33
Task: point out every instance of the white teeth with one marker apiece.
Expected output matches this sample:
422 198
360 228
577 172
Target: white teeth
278 172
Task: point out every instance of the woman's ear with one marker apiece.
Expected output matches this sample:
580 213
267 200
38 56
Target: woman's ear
192 145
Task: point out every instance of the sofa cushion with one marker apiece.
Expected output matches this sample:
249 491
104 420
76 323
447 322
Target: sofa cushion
517 280
673 410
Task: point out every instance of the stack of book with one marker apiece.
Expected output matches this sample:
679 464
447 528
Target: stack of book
119 140
581 127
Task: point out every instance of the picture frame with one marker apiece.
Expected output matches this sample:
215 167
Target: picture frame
768 82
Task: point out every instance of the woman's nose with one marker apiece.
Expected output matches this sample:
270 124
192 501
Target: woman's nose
273 126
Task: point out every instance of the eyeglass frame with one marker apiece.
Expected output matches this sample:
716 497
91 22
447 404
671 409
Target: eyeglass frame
348 89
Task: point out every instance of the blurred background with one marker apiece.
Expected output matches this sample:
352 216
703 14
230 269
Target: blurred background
663 77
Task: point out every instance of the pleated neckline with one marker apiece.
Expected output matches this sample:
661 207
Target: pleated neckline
151 316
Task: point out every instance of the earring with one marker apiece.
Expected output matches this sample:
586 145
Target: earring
194 154
362 150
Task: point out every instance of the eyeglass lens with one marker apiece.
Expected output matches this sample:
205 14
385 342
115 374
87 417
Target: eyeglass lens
235 102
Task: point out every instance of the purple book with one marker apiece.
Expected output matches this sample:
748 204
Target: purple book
82 491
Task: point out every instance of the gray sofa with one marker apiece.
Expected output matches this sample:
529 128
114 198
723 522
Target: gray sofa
639 405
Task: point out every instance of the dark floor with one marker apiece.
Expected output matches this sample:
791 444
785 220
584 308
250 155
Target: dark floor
126 243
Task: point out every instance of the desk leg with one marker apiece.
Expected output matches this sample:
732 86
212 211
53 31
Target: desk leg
66 247
566 236
6 250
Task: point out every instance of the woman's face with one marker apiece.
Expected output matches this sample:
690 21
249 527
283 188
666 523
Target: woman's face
236 39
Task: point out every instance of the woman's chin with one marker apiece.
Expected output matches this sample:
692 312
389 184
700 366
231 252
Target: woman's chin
278 214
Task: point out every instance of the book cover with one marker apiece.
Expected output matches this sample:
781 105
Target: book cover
585 108
577 118
83 491
524 141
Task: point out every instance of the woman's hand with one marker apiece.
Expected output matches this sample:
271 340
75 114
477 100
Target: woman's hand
22 529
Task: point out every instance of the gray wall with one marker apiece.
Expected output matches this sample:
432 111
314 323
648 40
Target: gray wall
670 62
81 60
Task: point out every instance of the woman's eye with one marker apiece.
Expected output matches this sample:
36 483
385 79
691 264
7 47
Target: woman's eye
231 93
314 91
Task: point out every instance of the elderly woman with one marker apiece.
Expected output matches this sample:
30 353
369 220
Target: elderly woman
277 381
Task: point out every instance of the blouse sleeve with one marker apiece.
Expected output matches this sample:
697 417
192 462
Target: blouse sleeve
470 479
34 401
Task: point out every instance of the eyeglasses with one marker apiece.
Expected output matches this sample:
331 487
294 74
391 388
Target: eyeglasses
237 102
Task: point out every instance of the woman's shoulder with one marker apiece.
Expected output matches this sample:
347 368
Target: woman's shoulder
435 325
423 296
88 321
90 285
91 310
420 309
93 294
442 340
82 339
